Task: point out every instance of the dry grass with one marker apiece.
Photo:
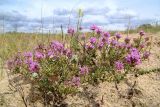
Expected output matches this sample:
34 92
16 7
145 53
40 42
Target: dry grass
12 43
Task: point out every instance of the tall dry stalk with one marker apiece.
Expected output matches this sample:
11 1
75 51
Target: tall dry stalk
129 25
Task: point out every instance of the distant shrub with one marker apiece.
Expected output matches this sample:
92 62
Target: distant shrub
147 28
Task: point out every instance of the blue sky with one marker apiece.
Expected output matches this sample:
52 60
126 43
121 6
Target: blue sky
109 14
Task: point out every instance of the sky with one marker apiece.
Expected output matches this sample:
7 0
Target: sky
25 15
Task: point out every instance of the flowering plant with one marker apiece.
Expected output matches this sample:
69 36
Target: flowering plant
50 70
57 70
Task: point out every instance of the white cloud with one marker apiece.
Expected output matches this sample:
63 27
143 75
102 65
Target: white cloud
106 13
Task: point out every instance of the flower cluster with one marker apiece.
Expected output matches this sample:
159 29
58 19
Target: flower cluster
93 40
71 31
119 65
33 66
93 27
133 57
118 36
83 70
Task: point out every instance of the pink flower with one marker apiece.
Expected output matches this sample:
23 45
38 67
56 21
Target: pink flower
83 70
39 55
128 46
89 46
121 45
114 42
50 54
134 57
15 62
106 34
103 39
127 40
119 65
93 27
141 33
33 66
76 81
70 31
93 40
100 45
118 36
57 46
98 30
68 53
28 54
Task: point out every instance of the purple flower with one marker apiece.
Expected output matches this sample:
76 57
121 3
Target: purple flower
127 40
119 65
15 62
83 70
57 46
106 34
141 33
134 50
39 55
89 46
100 45
50 54
98 31
76 81
33 66
11 64
134 57
128 46
103 39
114 42
118 36
68 53
93 27
28 61
93 40
70 31
108 41
28 54
18 61
146 54
121 45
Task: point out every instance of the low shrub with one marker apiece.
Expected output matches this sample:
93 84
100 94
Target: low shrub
59 69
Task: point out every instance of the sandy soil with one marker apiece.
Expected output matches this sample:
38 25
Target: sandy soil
105 95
